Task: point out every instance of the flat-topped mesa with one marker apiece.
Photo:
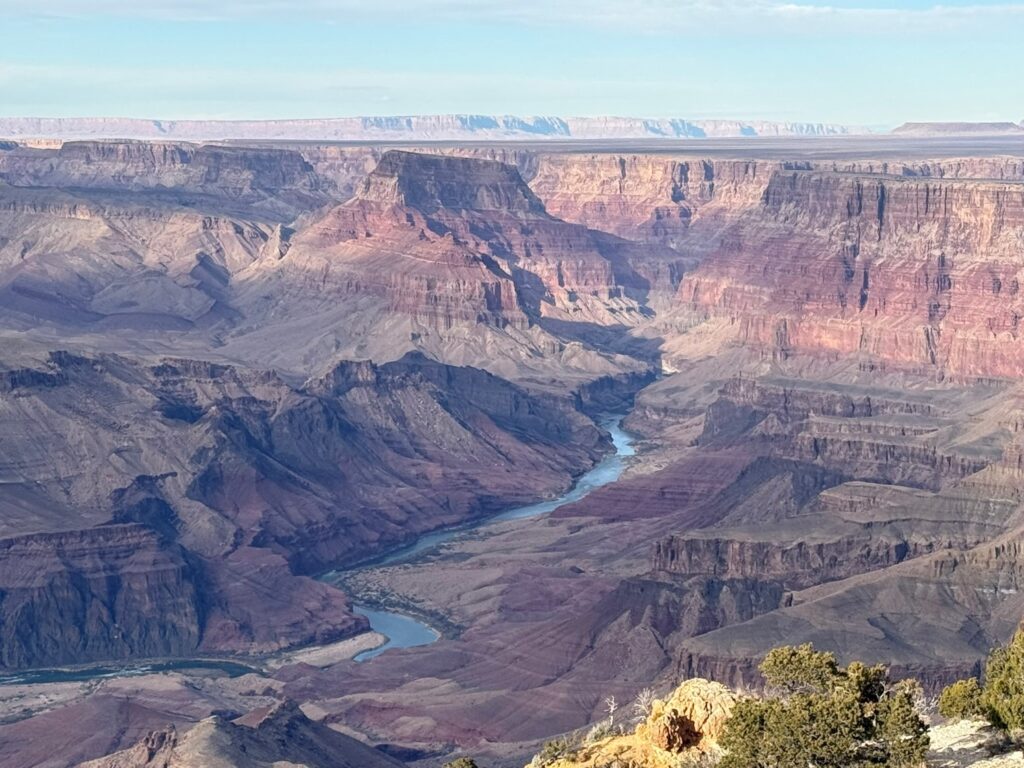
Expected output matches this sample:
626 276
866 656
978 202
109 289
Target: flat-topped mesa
957 128
432 182
409 128
276 182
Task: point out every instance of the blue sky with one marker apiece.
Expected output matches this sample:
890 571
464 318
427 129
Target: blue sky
868 62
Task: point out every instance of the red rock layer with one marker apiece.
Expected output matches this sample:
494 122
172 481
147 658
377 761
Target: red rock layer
915 271
451 240
646 197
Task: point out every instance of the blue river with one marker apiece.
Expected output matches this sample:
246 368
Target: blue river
403 631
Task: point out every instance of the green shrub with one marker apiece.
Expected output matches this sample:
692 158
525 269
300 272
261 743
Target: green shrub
555 749
799 669
962 701
462 762
600 732
901 730
1003 695
819 714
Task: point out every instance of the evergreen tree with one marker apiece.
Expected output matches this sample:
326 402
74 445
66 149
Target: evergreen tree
1003 696
821 715
901 730
962 700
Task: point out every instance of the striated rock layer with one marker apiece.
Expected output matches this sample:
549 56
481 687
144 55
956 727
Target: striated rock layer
834 453
212 485
918 272
459 258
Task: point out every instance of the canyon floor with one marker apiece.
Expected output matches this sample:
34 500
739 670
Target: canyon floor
228 370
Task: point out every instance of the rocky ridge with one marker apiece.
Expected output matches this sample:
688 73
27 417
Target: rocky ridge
274 736
459 258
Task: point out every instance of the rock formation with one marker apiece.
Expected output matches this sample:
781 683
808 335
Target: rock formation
459 258
274 736
211 485
684 726
914 271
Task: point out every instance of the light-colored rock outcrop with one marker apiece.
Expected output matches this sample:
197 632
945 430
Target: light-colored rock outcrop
685 725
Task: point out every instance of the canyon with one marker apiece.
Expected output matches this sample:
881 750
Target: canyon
229 369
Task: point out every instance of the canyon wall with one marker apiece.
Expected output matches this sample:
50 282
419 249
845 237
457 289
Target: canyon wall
277 182
153 509
79 596
915 271
911 262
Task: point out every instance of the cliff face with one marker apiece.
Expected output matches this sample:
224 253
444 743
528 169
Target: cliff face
478 219
915 271
78 596
279 182
646 197
461 255
907 261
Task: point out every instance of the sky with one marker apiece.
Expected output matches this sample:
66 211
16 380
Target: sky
875 63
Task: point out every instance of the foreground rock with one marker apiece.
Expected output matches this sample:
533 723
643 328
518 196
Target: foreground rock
968 743
686 726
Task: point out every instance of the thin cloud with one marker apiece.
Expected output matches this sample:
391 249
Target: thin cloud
638 15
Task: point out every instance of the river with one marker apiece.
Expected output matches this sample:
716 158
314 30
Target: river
403 631
78 674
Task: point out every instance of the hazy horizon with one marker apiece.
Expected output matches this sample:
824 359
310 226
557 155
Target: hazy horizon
874 63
